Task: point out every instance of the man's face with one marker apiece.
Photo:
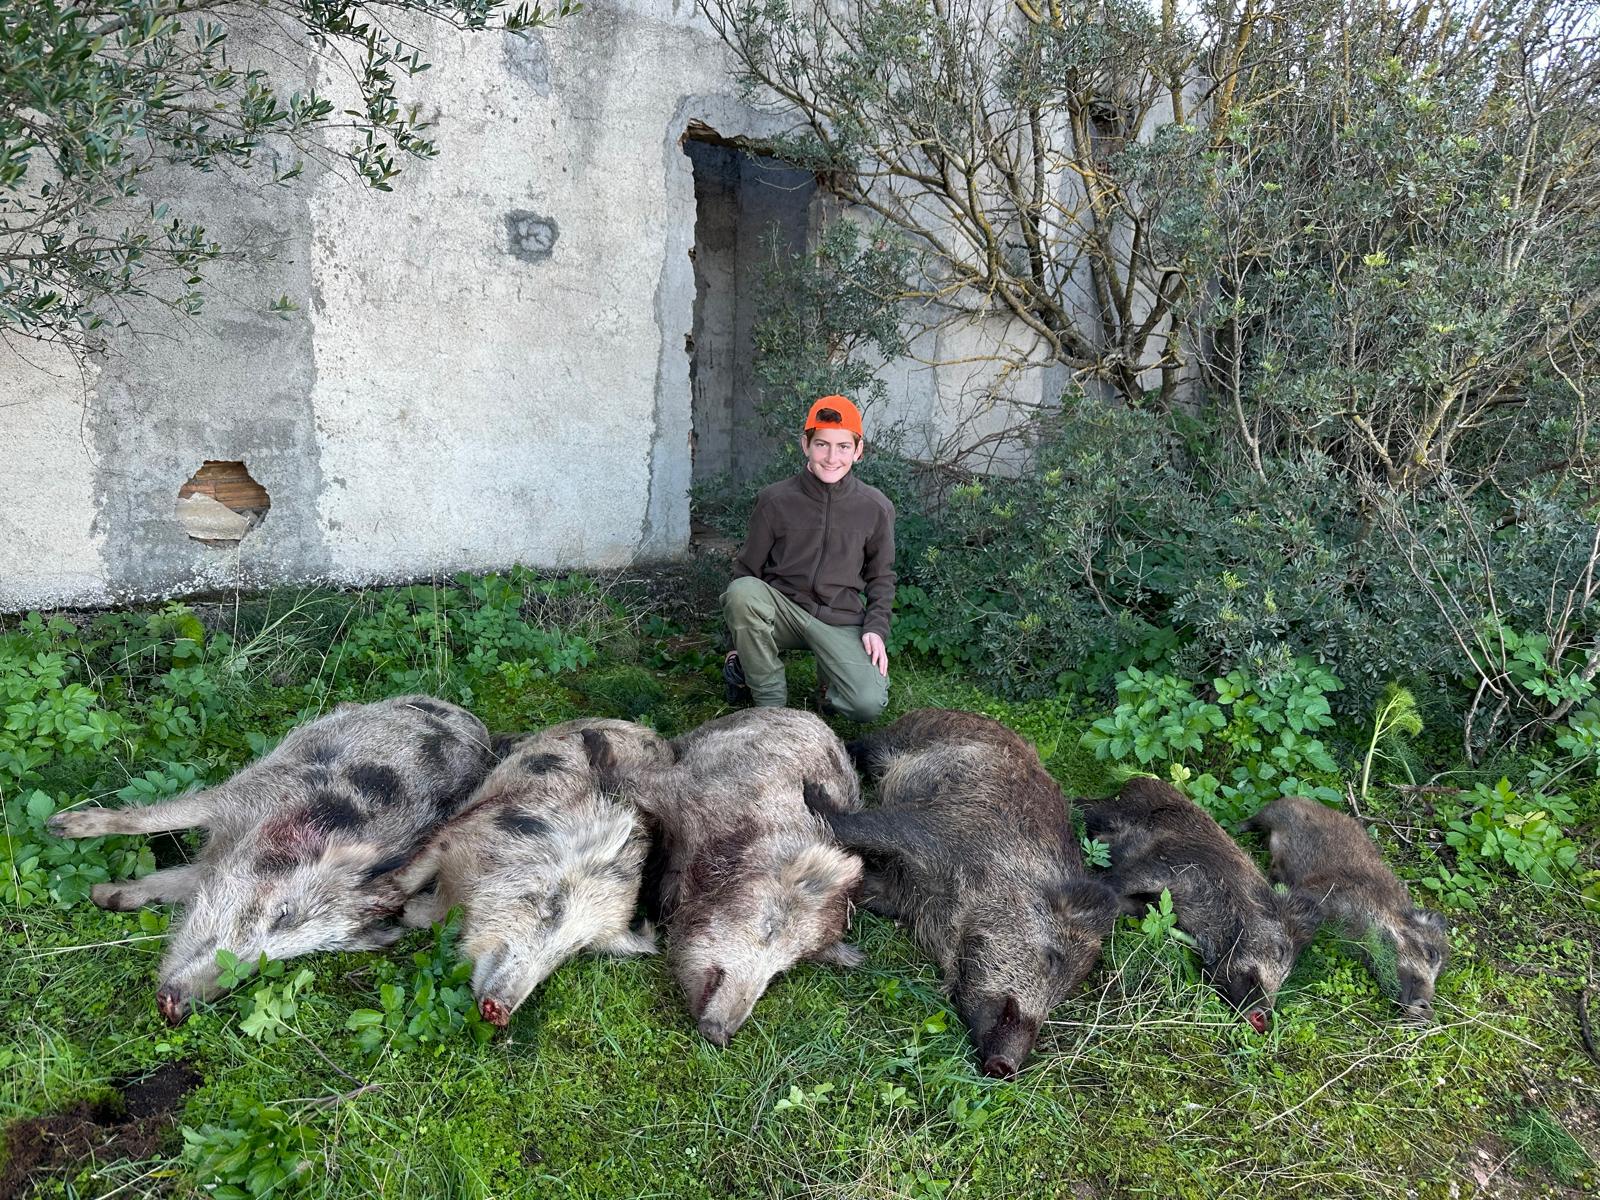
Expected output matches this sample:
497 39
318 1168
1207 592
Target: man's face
830 453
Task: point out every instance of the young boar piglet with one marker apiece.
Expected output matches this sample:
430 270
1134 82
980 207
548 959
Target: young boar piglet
1248 935
753 882
1327 860
300 846
543 862
972 846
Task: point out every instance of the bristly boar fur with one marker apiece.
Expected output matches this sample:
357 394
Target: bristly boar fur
302 845
972 845
752 881
1327 859
543 861
1248 935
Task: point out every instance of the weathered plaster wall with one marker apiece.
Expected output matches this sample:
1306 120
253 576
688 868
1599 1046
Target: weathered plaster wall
50 550
488 365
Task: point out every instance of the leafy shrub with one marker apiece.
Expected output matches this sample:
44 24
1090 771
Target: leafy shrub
1254 742
434 1005
261 1151
1497 830
444 640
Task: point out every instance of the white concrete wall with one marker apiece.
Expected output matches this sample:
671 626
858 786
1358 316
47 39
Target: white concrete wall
488 365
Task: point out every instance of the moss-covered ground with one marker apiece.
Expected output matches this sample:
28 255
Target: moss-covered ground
842 1084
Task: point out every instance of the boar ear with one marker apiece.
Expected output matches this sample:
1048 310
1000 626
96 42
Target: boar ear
1428 919
820 870
1301 917
602 759
1086 902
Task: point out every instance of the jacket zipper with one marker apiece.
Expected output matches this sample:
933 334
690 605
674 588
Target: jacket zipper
827 515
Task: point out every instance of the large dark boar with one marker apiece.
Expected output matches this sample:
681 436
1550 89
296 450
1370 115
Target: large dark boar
752 881
972 845
542 861
301 846
1248 935
1327 859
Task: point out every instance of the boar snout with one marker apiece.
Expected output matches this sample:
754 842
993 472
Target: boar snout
173 1005
494 1012
1004 1036
1417 1006
1259 1018
716 1032
998 1066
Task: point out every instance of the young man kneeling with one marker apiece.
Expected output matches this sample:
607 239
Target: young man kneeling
816 541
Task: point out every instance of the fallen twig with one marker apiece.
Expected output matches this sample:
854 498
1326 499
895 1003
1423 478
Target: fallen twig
350 1095
1585 1030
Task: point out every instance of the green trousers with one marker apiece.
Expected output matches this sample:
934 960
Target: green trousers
763 622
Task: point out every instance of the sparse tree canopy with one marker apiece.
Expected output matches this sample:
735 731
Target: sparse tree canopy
93 97
1362 227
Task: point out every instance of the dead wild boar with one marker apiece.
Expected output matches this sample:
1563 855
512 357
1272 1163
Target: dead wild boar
971 844
1327 859
752 881
301 846
542 861
1248 935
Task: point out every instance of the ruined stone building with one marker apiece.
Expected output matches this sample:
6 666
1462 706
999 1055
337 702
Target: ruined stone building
523 354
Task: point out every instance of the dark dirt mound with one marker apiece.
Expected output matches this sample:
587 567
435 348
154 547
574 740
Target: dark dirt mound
130 1125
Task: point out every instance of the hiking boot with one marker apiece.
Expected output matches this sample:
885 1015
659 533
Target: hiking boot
735 689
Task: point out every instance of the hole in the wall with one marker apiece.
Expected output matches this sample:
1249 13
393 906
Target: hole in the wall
221 503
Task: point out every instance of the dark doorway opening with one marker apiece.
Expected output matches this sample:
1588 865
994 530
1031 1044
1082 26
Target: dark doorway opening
747 205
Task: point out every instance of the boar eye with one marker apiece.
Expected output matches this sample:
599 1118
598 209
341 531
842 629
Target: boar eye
1054 963
284 919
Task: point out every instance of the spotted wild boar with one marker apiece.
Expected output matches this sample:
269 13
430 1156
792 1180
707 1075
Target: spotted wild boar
301 846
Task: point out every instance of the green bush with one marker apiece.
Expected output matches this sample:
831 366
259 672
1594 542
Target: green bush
1253 742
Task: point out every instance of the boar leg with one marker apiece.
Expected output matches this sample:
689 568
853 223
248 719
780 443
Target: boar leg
881 834
838 954
1137 888
183 812
630 941
171 886
424 909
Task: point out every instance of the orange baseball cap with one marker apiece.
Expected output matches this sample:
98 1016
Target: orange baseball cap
849 415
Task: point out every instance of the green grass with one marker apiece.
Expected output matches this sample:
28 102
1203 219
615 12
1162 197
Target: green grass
842 1084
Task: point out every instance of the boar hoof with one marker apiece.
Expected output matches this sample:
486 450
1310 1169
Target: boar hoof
494 1012
715 1032
173 1009
74 824
998 1066
109 895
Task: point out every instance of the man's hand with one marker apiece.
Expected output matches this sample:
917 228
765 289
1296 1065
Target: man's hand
876 651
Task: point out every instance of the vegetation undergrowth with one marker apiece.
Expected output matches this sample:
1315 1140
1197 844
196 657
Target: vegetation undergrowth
361 1074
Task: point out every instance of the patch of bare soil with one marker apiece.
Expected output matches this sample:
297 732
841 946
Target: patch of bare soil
129 1125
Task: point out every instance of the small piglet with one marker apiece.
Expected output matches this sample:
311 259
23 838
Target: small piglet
1248 935
1327 859
301 847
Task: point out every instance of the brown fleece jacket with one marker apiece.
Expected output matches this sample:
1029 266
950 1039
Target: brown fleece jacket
821 544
